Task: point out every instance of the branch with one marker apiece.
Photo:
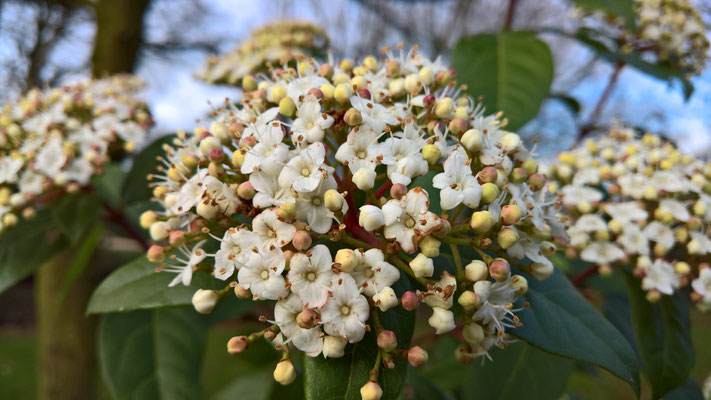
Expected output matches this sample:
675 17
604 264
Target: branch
597 112
579 279
119 218
509 15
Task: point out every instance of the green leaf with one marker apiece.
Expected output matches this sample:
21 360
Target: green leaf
690 390
152 354
342 378
519 371
512 70
136 187
621 8
254 386
418 387
570 102
26 246
560 321
74 214
663 337
81 259
109 183
136 286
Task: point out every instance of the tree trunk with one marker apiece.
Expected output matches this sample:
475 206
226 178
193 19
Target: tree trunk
67 337
119 34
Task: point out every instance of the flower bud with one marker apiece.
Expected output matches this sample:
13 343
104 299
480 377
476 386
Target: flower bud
410 301
348 259
342 93
387 340
653 296
371 218
334 346
541 271
238 157
682 268
177 238
246 190
458 125
249 83
482 221
489 193
431 153
396 87
385 299
353 117
510 142
464 354
333 200
388 361
518 175
412 84
371 391
287 107
159 230
302 240
237 344
536 181
328 91
510 214
499 269
276 93
443 107
476 271
205 300
364 178
469 300
472 140
417 356
443 77
429 246
531 166
284 372
398 190
147 219
156 254
207 209
242 293
482 289
473 333
519 284
422 266
307 319
699 209
209 144
442 320
488 175
326 71
286 211
506 238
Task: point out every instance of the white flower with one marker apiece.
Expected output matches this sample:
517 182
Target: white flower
374 273
574 195
272 231
269 192
660 233
269 153
235 248
633 240
262 274
311 123
441 294
457 184
370 217
191 192
702 285
305 171
626 211
375 116
312 207
408 219
661 276
385 299
602 253
362 150
187 264
50 157
590 223
408 160
442 320
307 340
345 313
634 185
9 167
310 275
675 208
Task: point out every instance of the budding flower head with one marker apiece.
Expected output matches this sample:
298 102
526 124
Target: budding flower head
387 340
204 301
371 391
284 373
417 356
237 345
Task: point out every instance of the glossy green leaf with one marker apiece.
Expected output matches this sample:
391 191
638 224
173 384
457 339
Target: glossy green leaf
110 183
254 386
136 187
137 285
75 214
663 338
621 8
513 71
560 321
152 354
418 387
690 390
26 246
342 378
82 257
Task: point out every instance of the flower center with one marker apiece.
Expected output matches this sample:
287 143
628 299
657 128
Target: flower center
265 274
310 125
267 154
305 172
369 272
345 310
409 221
360 154
311 276
316 201
236 249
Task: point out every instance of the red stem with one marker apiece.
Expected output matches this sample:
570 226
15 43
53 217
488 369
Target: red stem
597 112
353 227
580 278
119 218
379 192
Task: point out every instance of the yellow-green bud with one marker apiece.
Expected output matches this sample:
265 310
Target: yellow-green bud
342 93
519 284
443 107
287 107
431 153
249 83
489 193
482 221
333 200
429 246
147 219
506 238
469 300
276 93
531 166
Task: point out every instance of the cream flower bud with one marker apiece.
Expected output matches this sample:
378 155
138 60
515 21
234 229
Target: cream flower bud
431 153
276 93
364 178
159 230
207 209
469 300
371 218
422 266
473 333
510 142
156 254
237 345
205 301
429 246
333 200
334 346
442 320
286 211
385 299
284 372
209 144
426 76
482 221
506 238
287 107
443 107
476 271
249 83
220 131
510 214
328 90
387 340
682 268
519 284
472 140
147 219
371 391
412 84
242 293
541 271
348 259
342 93
489 193
417 356
396 87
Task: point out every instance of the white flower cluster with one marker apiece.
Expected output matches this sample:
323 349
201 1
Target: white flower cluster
312 188
640 202
672 30
54 140
273 44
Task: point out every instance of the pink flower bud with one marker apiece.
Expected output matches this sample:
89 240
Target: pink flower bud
388 361
177 238
217 155
410 301
417 356
536 181
458 125
429 100
249 141
326 71
499 269
353 117
488 175
316 92
387 340
246 190
519 175
237 344
364 93
510 214
307 319
197 224
302 240
156 254
398 190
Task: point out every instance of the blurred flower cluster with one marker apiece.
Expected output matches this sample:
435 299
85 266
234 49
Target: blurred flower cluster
671 30
639 202
53 140
273 44
330 182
